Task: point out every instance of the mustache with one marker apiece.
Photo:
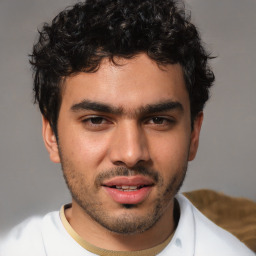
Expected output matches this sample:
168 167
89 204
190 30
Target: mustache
124 171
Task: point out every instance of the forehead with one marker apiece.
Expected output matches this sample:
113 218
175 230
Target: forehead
130 84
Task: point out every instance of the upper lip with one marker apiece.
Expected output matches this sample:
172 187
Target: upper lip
138 180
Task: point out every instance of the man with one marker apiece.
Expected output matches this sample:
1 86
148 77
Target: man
121 86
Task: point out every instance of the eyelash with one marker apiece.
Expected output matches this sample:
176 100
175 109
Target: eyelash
161 119
94 118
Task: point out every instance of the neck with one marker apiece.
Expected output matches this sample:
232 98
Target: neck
97 235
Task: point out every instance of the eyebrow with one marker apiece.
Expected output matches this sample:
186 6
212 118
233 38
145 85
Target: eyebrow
96 106
162 106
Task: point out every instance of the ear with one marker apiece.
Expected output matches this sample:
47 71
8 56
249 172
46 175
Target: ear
194 138
50 141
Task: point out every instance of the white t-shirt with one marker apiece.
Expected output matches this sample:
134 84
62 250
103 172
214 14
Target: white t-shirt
195 235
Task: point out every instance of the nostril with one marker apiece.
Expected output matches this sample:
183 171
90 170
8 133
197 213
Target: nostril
119 163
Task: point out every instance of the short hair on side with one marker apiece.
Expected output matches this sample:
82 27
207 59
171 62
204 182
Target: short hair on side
81 36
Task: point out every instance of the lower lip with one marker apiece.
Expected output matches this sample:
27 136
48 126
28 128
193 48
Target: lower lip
129 197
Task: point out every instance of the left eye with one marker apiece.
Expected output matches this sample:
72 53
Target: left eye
159 120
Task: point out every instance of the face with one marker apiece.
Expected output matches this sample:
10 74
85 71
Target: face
124 140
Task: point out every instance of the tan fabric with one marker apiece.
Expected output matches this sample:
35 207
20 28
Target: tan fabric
236 215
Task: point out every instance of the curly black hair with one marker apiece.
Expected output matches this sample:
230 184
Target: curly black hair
81 36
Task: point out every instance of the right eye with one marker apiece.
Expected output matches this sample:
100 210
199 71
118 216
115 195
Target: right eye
96 123
95 120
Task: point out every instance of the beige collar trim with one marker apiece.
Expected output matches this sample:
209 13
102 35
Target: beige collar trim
100 251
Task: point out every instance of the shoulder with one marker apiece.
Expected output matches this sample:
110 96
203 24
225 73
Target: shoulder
26 238
210 239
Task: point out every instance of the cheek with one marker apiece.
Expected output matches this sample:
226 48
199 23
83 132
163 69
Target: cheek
82 149
170 152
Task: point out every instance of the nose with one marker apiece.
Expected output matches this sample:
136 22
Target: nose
129 145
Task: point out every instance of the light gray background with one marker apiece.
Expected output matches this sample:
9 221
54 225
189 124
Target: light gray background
31 184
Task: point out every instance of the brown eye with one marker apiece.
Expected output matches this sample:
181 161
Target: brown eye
96 120
160 123
158 120
96 123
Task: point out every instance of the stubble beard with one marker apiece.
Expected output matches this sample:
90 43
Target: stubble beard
128 222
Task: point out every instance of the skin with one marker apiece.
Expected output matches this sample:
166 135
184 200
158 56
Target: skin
97 145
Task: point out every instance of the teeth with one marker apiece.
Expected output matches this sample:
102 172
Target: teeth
127 188
133 187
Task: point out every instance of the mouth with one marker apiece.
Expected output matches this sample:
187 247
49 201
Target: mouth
128 190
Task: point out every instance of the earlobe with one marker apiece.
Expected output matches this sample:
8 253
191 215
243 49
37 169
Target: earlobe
50 141
194 139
